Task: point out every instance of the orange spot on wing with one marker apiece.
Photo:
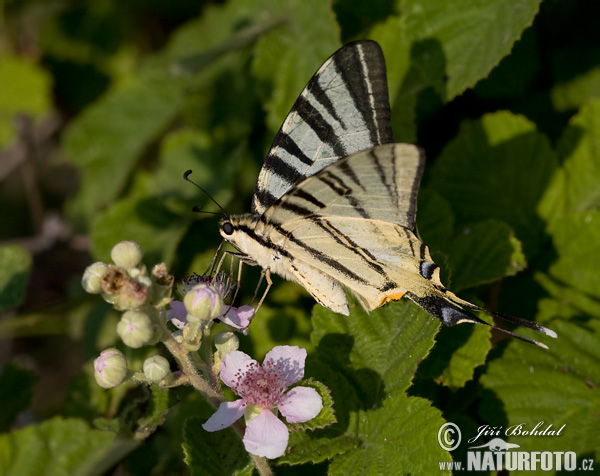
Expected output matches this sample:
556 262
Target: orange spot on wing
390 297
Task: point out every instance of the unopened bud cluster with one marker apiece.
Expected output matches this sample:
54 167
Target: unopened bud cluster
149 315
143 296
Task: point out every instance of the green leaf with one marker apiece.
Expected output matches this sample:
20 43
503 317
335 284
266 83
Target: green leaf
106 141
572 94
575 239
486 173
191 149
287 58
435 219
458 352
574 187
304 449
559 387
58 447
215 453
483 253
16 392
144 220
568 302
389 343
457 43
396 438
26 89
15 265
570 206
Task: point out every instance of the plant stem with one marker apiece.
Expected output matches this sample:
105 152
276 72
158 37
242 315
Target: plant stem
214 396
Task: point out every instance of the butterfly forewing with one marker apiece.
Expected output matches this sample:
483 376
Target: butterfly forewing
342 110
380 184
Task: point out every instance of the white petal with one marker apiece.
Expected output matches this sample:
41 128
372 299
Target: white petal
266 435
301 404
235 362
226 415
290 359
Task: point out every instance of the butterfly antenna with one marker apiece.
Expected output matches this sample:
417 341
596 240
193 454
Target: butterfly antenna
198 208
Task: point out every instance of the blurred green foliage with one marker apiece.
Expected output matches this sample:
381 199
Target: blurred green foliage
104 105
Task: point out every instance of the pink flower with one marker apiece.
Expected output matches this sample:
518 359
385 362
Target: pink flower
237 317
262 389
177 314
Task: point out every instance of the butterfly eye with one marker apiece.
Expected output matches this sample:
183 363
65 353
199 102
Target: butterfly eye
227 228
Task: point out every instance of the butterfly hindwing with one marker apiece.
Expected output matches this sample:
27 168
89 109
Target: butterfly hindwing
354 222
343 109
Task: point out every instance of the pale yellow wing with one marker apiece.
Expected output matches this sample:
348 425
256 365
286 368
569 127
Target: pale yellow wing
354 222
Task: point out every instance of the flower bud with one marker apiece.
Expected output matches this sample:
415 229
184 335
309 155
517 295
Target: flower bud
203 303
126 254
163 285
92 277
156 368
135 329
122 290
110 369
225 342
134 294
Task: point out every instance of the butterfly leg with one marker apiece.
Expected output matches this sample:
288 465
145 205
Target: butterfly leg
211 266
218 268
239 277
267 275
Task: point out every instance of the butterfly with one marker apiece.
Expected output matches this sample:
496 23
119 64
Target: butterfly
335 203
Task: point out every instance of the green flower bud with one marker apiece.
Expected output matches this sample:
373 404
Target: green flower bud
92 277
225 342
110 369
126 254
203 303
135 329
156 368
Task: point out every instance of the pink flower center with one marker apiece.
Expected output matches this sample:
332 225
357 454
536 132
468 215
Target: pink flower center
261 386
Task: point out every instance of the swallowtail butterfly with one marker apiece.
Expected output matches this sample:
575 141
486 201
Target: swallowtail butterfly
335 202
